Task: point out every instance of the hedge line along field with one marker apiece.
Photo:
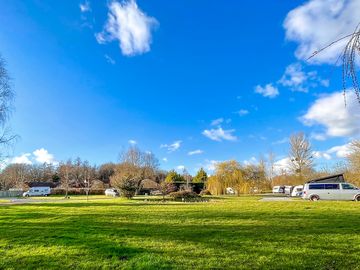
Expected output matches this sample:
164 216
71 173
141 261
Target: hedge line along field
225 233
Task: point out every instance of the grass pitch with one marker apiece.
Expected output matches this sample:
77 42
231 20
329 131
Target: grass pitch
225 233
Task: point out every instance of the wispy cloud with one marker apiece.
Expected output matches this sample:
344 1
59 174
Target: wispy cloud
242 112
132 142
298 80
130 26
85 6
219 134
109 59
217 122
268 90
196 152
172 147
281 141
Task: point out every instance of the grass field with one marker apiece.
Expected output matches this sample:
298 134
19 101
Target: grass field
226 233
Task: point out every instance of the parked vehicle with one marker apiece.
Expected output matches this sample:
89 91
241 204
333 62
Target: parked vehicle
331 191
297 191
288 190
230 191
155 193
111 192
37 191
278 189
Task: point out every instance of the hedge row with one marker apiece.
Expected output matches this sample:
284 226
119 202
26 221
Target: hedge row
77 191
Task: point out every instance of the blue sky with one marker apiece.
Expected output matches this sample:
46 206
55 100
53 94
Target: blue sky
195 82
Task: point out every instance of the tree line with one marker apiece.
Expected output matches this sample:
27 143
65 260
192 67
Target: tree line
136 166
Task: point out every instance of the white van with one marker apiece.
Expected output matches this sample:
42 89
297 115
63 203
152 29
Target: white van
297 191
37 191
331 191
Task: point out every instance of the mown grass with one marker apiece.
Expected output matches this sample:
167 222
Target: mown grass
228 233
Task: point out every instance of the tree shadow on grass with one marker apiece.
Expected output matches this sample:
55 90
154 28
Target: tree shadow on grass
253 242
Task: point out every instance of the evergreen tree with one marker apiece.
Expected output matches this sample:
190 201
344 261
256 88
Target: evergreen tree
201 176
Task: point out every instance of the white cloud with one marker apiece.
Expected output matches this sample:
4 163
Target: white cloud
267 91
282 165
317 23
165 159
172 147
300 81
22 159
130 26
40 155
132 142
85 7
109 59
319 154
219 134
180 167
43 156
217 122
318 136
210 165
341 151
250 161
196 152
331 113
242 112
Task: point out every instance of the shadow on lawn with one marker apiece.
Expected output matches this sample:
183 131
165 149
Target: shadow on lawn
252 240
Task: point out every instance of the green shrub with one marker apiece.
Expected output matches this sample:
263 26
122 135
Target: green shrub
77 191
185 195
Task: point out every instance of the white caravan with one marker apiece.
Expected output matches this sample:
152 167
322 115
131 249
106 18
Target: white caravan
331 191
278 189
37 191
297 191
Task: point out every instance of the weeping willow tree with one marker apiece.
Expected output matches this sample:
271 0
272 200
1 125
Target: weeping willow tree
349 60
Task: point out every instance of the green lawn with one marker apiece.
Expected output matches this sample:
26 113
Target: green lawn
227 233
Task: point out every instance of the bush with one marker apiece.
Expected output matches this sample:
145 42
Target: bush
185 195
205 192
77 191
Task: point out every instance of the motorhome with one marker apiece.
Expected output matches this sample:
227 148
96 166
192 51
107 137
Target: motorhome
331 191
37 191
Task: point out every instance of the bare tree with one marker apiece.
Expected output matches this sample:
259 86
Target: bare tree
137 166
300 155
65 175
354 156
271 165
6 99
